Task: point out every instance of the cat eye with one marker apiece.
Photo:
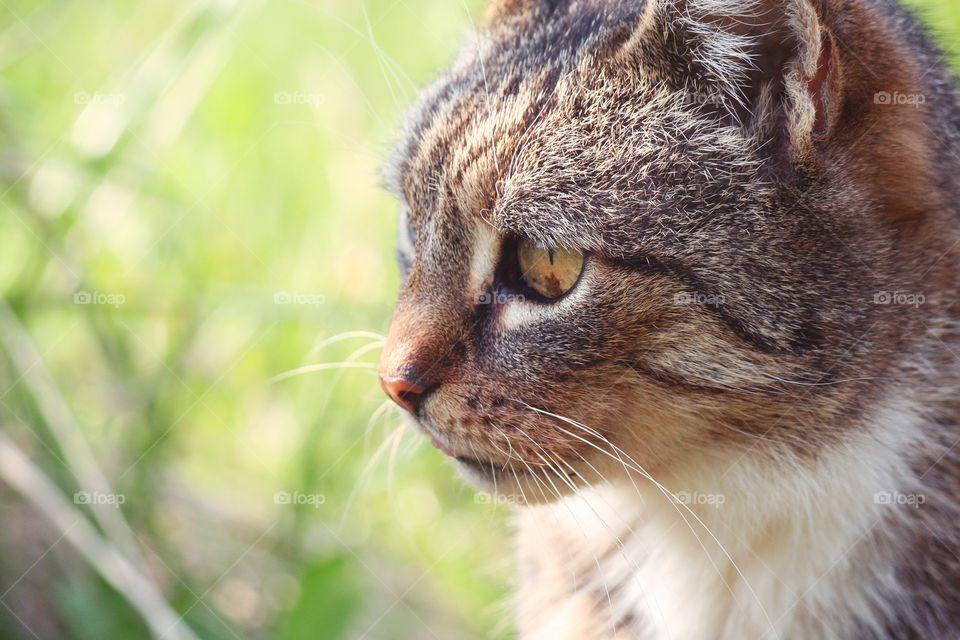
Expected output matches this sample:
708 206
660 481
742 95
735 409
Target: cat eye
549 272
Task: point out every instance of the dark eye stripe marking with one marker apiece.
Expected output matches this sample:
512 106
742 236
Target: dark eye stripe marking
726 313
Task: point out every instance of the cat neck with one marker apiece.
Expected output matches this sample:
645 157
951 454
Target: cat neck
754 547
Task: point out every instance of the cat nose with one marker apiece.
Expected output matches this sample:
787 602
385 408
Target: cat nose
405 393
414 359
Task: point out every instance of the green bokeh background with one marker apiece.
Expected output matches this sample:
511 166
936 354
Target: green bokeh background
205 175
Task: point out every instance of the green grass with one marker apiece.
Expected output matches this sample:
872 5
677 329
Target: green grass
150 154
188 165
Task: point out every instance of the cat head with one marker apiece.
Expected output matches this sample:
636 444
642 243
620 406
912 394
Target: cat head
635 234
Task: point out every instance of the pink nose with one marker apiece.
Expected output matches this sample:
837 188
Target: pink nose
403 392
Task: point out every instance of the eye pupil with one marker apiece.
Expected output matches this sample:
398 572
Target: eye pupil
549 272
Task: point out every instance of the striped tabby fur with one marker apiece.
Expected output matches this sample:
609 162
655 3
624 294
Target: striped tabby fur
742 422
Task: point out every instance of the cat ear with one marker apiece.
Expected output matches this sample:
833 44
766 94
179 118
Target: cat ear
773 65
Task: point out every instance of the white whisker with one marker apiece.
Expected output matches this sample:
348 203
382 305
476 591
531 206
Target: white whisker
678 504
347 335
324 366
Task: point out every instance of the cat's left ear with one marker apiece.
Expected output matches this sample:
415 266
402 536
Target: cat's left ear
774 64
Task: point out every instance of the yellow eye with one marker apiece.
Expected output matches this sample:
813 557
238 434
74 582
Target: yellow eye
549 272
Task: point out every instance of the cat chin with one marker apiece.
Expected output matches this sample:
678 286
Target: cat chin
504 487
485 476
514 485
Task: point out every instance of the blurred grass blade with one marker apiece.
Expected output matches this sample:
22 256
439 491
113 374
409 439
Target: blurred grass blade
29 363
23 476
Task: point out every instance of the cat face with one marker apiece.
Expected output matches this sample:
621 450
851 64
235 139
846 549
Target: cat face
625 245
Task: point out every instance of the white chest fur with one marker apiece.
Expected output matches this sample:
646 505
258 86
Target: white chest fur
748 549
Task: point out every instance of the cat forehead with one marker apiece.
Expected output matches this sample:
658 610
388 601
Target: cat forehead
540 133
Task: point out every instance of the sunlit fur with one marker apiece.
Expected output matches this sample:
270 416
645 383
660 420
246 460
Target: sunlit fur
762 345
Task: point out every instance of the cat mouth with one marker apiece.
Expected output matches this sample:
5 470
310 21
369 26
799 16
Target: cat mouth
488 468
508 477
490 475
436 442
485 469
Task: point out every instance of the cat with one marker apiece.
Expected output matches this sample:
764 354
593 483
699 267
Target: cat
680 278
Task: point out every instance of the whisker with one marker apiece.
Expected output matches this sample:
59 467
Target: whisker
573 515
630 532
540 486
509 455
347 335
547 467
675 501
380 412
395 439
520 486
323 366
350 358
619 542
367 348
387 65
